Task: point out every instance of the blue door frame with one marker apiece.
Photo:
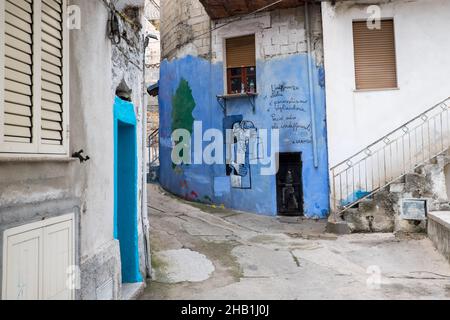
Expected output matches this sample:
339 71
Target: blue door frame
126 189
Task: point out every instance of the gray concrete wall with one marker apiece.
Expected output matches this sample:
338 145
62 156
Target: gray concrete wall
31 190
439 233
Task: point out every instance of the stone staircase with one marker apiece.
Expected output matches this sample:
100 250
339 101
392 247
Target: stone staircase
403 206
392 184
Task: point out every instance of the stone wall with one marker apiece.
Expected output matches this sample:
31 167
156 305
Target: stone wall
278 33
153 62
185 26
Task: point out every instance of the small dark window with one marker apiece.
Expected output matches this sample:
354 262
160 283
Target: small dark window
241 65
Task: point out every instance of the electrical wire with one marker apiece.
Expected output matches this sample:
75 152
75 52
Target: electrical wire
237 19
112 6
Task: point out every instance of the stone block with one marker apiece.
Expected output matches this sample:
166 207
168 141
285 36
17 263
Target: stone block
397 188
340 227
272 50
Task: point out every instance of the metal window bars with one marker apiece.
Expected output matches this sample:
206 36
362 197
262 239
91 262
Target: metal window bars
387 160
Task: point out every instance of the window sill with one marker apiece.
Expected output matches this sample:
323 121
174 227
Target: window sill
24 158
237 95
376 90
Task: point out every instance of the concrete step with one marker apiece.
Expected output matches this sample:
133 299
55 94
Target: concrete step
132 291
338 227
412 179
439 231
366 205
398 187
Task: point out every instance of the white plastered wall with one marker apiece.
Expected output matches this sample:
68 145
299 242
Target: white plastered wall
358 118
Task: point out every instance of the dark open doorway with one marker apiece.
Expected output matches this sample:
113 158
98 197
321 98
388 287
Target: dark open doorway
289 185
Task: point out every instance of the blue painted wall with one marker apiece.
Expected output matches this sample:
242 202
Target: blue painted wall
125 190
209 183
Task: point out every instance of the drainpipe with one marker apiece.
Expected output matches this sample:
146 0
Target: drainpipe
312 99
144 210
145 222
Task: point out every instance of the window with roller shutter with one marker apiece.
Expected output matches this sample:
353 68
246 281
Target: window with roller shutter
241 64
375 59
33 103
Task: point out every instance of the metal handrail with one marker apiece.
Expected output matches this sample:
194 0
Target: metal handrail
400 151
395 130
153 145
153 134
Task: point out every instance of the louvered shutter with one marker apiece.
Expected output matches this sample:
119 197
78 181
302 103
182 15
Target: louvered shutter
18 71
33 85
375 60
52 72
241 52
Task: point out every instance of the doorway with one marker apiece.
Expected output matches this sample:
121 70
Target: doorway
289 185
126 219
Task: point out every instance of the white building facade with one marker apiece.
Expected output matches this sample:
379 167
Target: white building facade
357 118
63 223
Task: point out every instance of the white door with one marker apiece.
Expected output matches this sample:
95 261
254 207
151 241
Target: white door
37 259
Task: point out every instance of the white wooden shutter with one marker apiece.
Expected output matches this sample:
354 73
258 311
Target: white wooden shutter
17 74
33 77
52 73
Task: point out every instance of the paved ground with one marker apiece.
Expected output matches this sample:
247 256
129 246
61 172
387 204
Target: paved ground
201 252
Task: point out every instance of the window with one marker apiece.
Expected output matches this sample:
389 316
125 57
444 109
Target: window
33 97
375 61
241 65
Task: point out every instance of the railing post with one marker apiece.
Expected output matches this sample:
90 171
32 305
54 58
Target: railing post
333 195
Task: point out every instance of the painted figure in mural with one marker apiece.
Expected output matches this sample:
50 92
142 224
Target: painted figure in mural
290 201
244 133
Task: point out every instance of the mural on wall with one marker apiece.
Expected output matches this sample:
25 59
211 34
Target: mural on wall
283 103
183 104
239 152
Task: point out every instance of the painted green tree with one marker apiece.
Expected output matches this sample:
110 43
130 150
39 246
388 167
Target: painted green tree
183 104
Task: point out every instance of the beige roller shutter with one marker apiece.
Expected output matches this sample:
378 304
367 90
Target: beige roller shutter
18 71
241 52
52 73
375 60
